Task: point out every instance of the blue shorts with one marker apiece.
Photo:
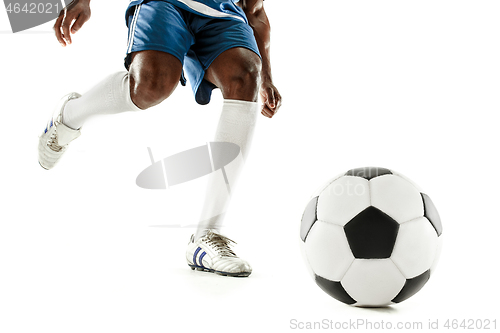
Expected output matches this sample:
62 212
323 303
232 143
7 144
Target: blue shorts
194 39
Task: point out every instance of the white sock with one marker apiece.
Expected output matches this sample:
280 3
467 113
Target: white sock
112 95
236 125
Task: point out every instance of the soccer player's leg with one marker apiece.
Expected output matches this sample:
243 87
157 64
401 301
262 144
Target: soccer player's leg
153 74
236 72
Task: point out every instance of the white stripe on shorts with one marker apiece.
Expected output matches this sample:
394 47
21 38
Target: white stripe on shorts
132 28
206 10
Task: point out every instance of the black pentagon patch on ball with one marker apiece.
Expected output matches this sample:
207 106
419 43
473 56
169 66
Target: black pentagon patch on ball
412 286
371 234
431 213
308 218
368 172
334 289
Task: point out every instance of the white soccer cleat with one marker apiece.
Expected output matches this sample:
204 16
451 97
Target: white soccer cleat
56 136
212 253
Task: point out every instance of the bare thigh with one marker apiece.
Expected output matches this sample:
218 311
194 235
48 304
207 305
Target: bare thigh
236 72
154 75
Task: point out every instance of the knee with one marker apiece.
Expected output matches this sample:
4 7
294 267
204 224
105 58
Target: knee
148 89
244 83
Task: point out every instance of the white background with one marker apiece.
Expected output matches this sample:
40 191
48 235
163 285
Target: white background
407 85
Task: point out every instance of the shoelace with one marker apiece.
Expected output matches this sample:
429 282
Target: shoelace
220 243
51 143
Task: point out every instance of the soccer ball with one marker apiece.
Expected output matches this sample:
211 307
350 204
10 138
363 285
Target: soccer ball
370 237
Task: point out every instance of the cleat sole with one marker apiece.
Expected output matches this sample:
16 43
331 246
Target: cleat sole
42 166
204 269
